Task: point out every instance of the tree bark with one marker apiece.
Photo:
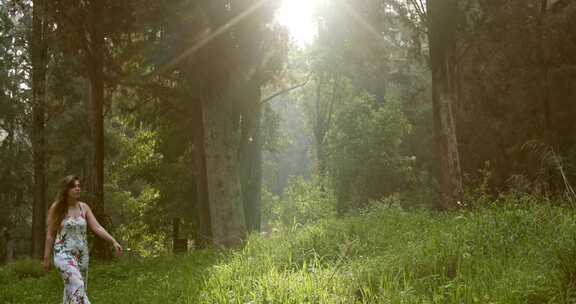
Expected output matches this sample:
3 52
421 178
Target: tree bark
324 114
221 121
545 70
95 64
39 60
251 159
547 128
442 16
320 128
9 247
205 228
179 245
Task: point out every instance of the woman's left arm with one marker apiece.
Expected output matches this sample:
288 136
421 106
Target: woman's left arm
99 230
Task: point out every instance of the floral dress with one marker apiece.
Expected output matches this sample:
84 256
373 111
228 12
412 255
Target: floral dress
71 258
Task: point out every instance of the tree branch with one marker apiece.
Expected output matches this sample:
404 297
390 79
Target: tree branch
282 92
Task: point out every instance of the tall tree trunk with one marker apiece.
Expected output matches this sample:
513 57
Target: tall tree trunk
319 127
545 73
9 247
442 16
324 114
39 60
95 63
321 156
221 121
205 229
547 127
178 244
251 159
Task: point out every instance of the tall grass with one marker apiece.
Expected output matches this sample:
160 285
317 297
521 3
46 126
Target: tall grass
505 254
167 279
513 253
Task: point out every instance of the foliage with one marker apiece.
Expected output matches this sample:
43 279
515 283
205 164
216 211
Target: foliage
139 230
369 92
140 217
303 202
270 203
517 95
421 190
15 110
286 143
365 159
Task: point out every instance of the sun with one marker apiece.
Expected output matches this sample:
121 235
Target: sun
298 17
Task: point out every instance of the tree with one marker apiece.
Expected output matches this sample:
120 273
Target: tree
88 27
267 49
15 151
517 95
443 17
201 173
371 49
250 157
365 160
38 49
234 58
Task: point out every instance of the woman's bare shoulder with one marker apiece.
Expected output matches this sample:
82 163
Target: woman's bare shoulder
84 205
52 209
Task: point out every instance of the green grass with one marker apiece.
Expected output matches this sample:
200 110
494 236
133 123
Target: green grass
505 254
168 279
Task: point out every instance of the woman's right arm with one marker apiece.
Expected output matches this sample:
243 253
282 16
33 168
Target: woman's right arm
49 239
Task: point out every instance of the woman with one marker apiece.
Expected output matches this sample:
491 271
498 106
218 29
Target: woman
66 235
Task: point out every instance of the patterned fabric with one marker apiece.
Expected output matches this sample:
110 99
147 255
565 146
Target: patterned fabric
71 258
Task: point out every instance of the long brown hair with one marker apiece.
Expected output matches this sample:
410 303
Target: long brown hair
61 205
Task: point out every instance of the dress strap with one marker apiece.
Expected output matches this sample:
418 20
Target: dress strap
82 214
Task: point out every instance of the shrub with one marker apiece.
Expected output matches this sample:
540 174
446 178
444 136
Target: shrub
304 202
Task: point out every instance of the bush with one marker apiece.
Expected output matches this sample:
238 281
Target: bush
141 232
6 275
21 269
304 202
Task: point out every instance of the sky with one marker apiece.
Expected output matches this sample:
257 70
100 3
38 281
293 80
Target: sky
298 17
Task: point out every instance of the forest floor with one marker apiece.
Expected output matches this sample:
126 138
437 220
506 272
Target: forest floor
516 253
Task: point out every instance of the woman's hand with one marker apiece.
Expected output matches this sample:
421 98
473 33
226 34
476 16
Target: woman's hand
46 263
117 249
